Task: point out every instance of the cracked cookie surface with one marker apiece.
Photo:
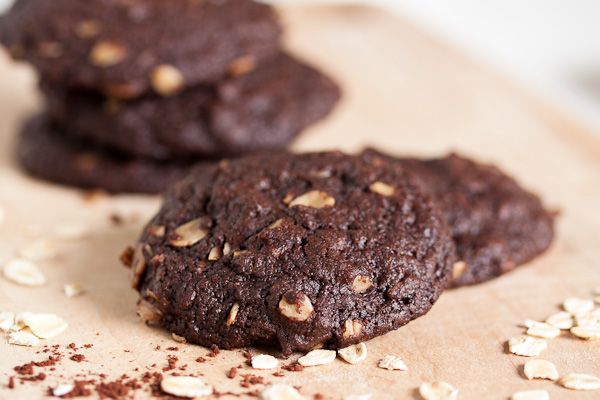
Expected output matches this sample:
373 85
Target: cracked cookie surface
126 48
291 251
495 223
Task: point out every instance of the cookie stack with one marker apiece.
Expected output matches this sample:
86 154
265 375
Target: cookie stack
139 91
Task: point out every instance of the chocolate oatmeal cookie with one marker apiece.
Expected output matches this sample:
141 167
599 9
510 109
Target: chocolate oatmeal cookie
262 110
495 223
43 151
125 48
293 251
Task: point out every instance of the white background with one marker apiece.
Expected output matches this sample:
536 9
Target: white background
550 46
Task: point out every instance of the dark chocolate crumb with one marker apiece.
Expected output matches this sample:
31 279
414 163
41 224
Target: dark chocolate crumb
78 357
232 373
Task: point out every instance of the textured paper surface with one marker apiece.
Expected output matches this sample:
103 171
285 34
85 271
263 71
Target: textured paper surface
404 93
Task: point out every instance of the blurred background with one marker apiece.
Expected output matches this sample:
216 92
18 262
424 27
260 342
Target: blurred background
551 47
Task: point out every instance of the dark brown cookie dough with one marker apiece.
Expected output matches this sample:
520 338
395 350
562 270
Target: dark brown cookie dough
260 110
125 48
292 251
45 153
495 223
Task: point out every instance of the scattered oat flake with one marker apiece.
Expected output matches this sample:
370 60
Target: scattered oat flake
23 338
39 250
586 332
45 326
185 386
438 391
574 305
541 329
19 324
588 319
540 369
7 320
317 357
531 395
62 389
281 392
177 338
526 346
354 354
23 272
580 382
264 361
68 232
560 320
392 363
73 289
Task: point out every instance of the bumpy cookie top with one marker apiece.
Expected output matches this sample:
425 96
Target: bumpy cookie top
293 251
125 48
495 223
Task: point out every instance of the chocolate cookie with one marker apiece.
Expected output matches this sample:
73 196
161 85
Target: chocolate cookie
125 48
496 224
260 110
44 152
293 251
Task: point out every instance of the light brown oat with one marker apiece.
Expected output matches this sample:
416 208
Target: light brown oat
301 310
314 199
189 233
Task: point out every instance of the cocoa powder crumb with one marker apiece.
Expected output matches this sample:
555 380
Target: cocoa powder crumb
117 219
319 396
78 357
172 361
79 390
112 390
39 377
232 373
278 374
173 348
11 382
25 369
293 367
214 351
200 359
249 379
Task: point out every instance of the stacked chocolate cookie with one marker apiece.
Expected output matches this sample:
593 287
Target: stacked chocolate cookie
139 91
